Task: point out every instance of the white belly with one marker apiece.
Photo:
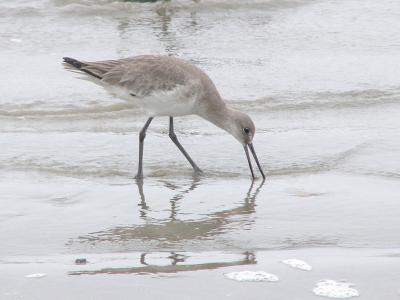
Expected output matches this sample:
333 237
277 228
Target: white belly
177 102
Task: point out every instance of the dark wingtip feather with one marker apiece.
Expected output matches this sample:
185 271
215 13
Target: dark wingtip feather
80 66
73 62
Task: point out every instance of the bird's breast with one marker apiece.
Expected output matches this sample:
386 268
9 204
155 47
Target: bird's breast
176 102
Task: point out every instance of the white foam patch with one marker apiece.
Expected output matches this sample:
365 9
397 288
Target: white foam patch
36 275
334 289
298 264
252 276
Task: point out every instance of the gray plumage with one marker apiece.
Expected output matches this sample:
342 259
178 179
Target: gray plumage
146 74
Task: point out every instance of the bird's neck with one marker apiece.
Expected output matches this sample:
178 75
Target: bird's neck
221 116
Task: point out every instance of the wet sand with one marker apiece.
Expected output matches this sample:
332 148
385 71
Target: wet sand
140 244
374 273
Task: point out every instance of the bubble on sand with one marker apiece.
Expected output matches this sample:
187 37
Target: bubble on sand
14 40
298 264
36 275
334 289
252 276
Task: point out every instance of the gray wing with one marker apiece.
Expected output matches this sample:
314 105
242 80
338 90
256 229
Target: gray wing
141 75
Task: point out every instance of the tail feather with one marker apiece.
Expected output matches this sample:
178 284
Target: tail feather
79 65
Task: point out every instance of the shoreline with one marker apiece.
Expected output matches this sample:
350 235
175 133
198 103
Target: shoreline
199 274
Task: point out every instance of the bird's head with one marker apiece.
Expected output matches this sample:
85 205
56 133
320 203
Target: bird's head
238 124
243 129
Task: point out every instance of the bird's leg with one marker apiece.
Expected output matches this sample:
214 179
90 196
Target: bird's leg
142 135
173 137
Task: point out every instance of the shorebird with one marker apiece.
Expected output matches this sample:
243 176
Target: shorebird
169 86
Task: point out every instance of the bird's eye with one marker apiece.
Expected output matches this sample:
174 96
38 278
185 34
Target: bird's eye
246 130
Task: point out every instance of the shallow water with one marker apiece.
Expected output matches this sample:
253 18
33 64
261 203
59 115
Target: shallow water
320 79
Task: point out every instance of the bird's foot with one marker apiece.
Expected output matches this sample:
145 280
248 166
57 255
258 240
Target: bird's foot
198 171
139 177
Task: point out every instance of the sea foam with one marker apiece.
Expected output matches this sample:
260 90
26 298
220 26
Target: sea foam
298 264
252 276
36 275
334 289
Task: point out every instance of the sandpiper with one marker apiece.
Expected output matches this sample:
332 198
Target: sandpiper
169 86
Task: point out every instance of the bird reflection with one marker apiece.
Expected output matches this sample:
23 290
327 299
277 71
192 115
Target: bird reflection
172 230
177 264
160 25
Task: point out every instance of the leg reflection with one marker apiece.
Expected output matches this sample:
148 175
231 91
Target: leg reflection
144 208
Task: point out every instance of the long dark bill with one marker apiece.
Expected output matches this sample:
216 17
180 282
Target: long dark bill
256 159
248 159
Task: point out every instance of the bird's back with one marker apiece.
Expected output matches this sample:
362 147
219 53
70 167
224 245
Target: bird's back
151 77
